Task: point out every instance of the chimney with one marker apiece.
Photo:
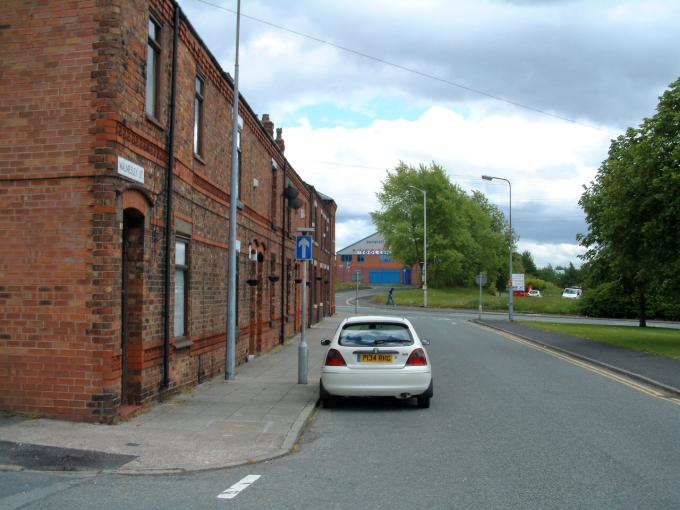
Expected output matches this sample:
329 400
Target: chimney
279 140
268 125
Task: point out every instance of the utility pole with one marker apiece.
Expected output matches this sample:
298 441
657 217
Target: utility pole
230 355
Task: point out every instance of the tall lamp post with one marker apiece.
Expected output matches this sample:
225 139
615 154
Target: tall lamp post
232 320
424 244
511 290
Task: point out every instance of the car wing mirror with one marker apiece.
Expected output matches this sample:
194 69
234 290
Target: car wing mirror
325 342
424 341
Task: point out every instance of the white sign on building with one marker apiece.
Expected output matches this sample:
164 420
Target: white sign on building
130 170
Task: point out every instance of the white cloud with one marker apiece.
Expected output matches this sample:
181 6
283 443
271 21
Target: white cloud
546 160
351 231
560 254
603 63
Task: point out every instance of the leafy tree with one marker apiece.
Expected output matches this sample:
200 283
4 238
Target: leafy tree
462 238
633 209
498 224
548 274
528 262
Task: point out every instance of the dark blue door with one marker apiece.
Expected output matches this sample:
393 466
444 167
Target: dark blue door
385 276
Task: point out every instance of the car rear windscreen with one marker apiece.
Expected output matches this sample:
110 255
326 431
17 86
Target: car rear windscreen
365 334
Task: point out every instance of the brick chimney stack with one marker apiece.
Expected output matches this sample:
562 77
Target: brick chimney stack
268 125
279 141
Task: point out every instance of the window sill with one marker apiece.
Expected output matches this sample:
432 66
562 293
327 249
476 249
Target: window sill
155 122
182 342
198 158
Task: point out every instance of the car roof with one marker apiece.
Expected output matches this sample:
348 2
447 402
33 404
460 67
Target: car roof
376 318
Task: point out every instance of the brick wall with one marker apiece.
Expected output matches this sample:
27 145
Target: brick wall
84 248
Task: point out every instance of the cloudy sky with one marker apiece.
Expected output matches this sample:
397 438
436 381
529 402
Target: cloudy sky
529 90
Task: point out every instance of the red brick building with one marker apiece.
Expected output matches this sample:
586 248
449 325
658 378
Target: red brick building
115 158
374 263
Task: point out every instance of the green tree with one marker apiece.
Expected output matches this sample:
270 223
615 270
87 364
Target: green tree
633 209
461 235
548 274
528 262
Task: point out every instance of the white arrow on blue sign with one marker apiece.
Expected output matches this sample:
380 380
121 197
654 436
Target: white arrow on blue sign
303 248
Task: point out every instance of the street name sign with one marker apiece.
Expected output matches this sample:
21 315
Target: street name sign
131 170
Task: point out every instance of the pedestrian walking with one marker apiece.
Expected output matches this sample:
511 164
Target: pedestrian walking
390 298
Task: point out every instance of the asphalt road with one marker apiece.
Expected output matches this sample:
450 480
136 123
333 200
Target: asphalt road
509 427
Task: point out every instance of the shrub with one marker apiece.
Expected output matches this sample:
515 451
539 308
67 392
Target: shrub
608 300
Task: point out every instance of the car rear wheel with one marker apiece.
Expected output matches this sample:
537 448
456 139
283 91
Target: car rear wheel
423 402
327 401
424 399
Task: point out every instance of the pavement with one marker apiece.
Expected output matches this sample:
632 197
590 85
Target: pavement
258 416
653 370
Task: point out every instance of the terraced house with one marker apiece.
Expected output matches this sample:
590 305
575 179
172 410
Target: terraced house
115 158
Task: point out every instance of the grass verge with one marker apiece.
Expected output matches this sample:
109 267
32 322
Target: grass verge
462 297
339 286
662 341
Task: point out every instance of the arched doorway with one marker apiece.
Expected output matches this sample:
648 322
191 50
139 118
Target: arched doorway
132 293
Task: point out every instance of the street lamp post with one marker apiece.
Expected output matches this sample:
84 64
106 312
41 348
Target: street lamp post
232 320
424 244
511 290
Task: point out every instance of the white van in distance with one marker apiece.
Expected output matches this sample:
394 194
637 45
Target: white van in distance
572 293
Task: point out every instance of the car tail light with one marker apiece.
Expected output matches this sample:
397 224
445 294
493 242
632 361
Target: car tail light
417 358
334 359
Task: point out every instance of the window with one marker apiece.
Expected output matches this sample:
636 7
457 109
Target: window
181 269
370 334
346 258
385 257
360 258
153 52
198 116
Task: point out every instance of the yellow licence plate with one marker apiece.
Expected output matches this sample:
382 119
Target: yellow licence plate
375 358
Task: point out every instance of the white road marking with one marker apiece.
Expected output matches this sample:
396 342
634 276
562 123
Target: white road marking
239 486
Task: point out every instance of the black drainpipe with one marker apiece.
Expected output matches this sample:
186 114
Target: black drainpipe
284 273
168 203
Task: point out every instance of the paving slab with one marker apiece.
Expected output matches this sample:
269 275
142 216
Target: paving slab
218 424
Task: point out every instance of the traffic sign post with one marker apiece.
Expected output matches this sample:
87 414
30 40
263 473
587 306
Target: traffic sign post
481 280
357 279
303 253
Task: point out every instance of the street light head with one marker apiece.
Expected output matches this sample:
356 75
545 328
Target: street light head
487 177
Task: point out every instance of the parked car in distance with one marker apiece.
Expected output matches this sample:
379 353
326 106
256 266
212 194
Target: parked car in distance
534 293
372 356
572 293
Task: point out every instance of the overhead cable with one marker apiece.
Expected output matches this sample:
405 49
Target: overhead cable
404 68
